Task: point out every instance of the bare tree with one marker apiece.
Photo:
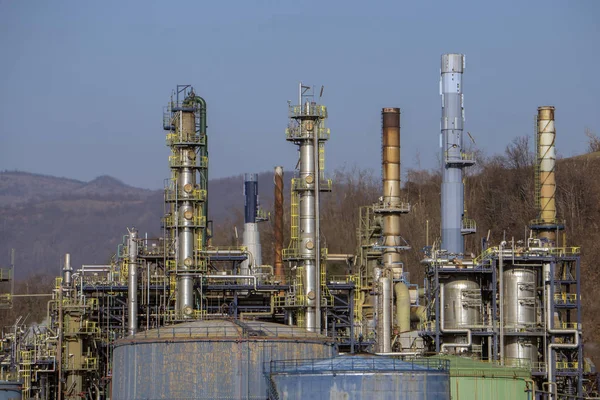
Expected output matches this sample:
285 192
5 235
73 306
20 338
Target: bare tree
593 140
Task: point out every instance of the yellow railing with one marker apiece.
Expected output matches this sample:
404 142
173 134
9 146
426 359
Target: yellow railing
564 365
469 224
301 184
176 160
298 132
171 194
294 213
174 138
192 219
5 274
565 298
313 110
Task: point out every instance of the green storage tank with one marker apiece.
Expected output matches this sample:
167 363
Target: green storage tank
480 380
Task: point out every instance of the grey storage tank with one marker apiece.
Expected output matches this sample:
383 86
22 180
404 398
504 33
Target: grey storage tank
360 377
208 359
10 390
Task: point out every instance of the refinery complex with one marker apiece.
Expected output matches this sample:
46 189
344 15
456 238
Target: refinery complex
182 317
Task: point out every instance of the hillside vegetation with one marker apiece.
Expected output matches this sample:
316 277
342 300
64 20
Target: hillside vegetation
44 217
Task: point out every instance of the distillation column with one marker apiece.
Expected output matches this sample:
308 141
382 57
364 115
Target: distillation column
252 217
307 130
454 160
132 281
185 194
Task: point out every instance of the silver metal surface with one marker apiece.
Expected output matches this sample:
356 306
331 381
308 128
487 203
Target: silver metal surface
519 297
386 290
452 152
461 303
208 359
132 283
520 351
67 271
361 377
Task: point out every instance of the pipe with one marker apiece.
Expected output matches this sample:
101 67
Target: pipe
386 286
418 314
550 329
402 307
132 286
317 206
501 295
278 230
443 330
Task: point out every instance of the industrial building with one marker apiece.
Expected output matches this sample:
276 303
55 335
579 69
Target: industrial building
179 316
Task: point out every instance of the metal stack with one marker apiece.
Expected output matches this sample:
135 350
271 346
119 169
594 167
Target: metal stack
185 193
390 207
454 159
252 216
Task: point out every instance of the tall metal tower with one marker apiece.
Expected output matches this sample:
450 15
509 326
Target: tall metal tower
454 159
185 194
307 130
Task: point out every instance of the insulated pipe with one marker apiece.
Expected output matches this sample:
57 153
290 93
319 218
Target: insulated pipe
418 314
279 224
386 288
451 143
402 307
546 165
443 330
132 281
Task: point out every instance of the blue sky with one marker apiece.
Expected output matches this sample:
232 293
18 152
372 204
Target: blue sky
83 83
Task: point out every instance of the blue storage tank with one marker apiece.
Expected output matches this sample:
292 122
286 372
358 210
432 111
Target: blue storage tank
360 377
10 390
212 359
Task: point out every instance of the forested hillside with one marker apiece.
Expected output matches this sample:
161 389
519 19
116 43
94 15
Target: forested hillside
45 217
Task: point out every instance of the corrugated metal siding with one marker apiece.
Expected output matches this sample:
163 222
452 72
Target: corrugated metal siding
203 369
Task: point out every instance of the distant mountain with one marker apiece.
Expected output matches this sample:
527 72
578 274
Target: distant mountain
43 217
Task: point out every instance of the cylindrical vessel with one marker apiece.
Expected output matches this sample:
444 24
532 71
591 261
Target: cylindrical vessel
10 390
462 303
519 296
132 283
306 201
186 213
251 237
361 377
213 359
278 230
452 149
67 271
546 164
386 317
520 351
